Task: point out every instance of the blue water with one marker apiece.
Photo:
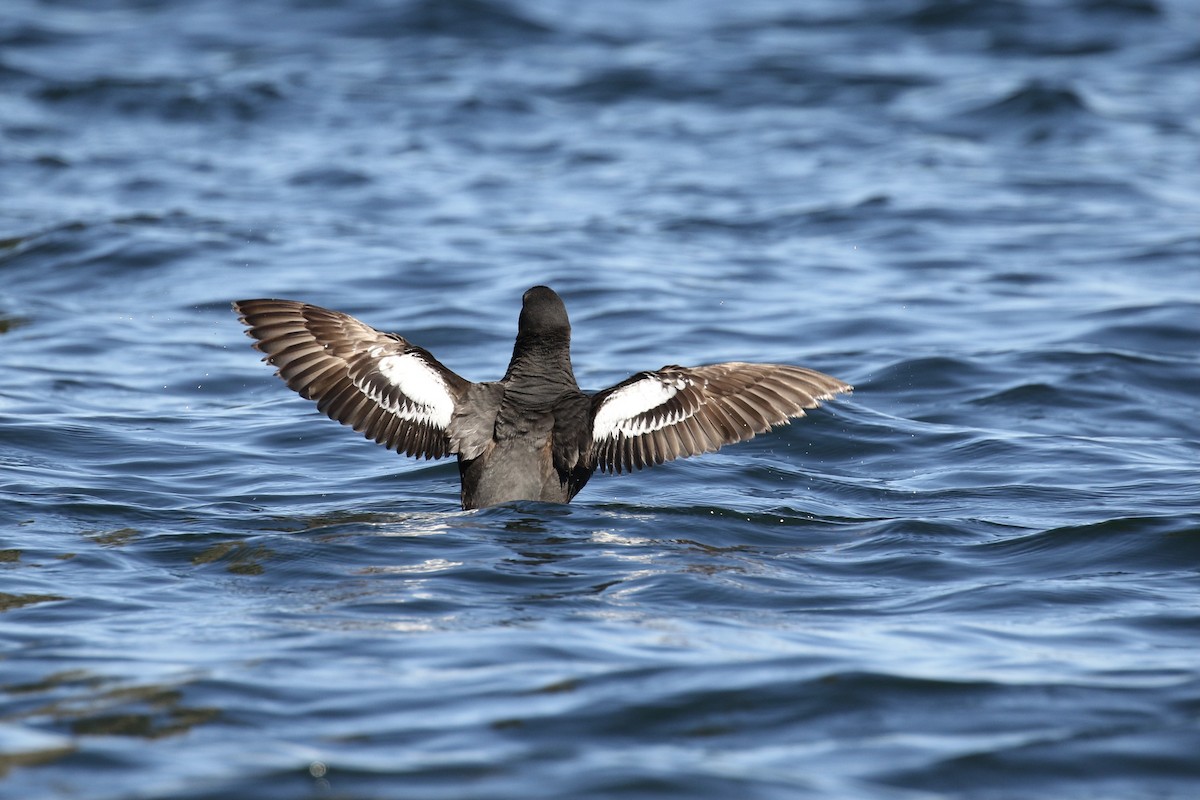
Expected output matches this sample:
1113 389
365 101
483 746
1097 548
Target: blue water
976 577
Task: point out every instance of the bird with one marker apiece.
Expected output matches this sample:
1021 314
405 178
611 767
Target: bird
534 434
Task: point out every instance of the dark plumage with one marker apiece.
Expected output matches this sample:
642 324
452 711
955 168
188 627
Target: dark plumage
532 435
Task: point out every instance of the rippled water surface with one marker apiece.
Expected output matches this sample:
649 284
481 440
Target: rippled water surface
976 577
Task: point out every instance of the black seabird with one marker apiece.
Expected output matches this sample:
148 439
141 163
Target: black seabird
533 434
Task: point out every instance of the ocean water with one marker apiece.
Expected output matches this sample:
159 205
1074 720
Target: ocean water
976 577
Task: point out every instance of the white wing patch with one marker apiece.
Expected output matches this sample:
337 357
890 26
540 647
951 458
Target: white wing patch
624 410
429 397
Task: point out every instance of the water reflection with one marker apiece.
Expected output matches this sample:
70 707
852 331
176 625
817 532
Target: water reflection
241 558
114 538
11 601
85 704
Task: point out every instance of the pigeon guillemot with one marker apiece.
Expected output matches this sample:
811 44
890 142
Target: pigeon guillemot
533 434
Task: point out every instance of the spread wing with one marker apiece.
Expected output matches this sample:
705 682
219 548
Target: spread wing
684 411
377 383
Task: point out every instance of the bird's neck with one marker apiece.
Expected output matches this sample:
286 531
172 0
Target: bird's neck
545 360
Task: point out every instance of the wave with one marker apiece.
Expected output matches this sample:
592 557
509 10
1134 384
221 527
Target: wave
1080 28
1035 112
765 81
474 20
170 98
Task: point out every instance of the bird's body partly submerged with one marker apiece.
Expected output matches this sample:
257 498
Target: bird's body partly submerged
532 435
